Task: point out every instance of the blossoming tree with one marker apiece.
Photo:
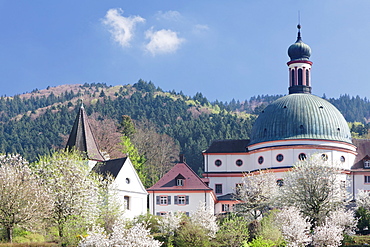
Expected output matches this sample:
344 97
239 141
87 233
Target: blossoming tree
315 188
23 200
73 189
257 193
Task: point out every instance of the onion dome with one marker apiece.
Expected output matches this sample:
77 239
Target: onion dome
300 116
299 50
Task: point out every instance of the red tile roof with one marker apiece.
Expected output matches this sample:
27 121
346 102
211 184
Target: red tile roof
168 181
363 149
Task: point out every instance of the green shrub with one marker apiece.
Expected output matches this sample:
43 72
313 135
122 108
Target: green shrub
191 235
29 245
269 230
73 230
233 231
29 238
363 223
150 220
21 235
362 240
260 242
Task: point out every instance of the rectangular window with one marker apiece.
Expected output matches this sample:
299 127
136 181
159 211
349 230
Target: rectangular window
218 188
181 200
126 202
180 182
367 179
163 200
225 207
367 164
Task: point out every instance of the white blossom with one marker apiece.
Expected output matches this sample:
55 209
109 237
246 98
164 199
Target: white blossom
344 219
74 190
363 199
97 237
328 234
257 193
315 188
122 236
24 201
136 236
170 222
294 227
205 219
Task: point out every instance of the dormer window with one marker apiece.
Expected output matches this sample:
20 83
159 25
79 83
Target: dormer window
180 182
366 163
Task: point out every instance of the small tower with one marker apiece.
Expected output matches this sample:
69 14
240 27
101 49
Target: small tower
299 66
82 139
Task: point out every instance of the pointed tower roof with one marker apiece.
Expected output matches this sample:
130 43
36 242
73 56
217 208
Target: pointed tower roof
180 171
82 139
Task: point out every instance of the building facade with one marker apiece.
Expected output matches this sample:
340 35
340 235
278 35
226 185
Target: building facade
290 129
180 190
129 188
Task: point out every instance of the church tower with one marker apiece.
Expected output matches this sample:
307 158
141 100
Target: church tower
82 139
299 66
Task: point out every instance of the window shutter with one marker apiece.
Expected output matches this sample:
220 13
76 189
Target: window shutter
187 200
158 199
169 200
175 202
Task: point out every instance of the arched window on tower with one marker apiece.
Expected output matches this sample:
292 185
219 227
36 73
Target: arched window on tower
307 77
300 76
293 83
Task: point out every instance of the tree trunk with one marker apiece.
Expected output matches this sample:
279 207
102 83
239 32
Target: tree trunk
60 230
9 234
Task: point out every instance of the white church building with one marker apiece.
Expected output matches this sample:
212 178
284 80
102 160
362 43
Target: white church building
129 188
290 129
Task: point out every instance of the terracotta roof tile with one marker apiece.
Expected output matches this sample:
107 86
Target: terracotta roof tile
363 150
180 170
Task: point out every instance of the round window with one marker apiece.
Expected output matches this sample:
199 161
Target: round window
239 162
127 180
302 156
218 162
279 157
260 160
342 159
324 157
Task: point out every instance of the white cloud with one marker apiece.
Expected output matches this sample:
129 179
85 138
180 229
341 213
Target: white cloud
201 28
162 41
171 15
121 28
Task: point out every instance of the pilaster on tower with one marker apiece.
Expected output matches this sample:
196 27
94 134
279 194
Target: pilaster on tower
299 66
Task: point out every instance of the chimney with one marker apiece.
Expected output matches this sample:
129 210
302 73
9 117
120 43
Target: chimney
182 158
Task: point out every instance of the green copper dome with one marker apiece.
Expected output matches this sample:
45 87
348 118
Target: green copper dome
300 116
299 51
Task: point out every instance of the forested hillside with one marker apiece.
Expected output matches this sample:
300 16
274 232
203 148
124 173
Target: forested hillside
36 123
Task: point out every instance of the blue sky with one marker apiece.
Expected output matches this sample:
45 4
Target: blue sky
224 49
